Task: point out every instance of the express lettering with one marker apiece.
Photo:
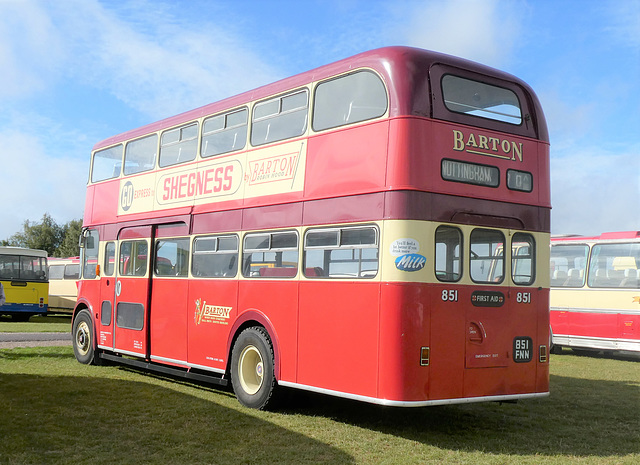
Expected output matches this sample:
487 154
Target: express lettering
205 182
484 145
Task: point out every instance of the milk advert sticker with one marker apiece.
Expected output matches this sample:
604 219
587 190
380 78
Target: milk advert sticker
407 257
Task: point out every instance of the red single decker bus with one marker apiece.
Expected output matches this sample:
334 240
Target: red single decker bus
595 292
371 229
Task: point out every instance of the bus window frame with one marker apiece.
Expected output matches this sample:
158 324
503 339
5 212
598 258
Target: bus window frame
334 79
226 128
233 266
117 166
143 169
109 265
492 259
179 269
178 142
441 112
587 255
482 111
247 253
280 113
531 256
460 257
596 258
312 272
90 243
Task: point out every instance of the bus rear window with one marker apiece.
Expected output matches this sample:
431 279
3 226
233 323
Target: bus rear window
479 99
486 256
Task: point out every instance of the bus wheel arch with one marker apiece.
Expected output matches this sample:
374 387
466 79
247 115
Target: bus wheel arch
253 367
252 318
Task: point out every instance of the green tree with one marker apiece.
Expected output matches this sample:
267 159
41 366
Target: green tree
70 244
46 235
58 241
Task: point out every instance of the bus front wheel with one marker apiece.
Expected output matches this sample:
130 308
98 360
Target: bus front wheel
82 336
252 368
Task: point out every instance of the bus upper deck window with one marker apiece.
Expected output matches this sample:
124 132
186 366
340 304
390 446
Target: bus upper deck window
356 97
107 164
224 133
479 99
140 155
280 118
179 145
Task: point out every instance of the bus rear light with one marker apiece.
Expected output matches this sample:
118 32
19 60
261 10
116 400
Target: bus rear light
424 356
41 302
543 354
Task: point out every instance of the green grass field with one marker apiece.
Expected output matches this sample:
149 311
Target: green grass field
58 411
37 324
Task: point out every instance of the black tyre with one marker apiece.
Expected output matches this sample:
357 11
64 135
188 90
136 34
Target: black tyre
82 335
252 368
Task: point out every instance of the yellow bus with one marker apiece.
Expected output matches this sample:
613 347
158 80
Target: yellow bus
23 275
63 284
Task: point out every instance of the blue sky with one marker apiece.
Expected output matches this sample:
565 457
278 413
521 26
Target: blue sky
74 72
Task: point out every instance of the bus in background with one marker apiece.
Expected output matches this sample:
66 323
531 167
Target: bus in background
63 284
23 274
347 231
595 292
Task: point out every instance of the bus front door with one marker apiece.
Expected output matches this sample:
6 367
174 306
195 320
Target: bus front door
131 330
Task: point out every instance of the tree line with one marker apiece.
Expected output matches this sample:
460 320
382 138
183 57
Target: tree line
58 240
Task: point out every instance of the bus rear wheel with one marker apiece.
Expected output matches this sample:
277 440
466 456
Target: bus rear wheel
82 336
252 368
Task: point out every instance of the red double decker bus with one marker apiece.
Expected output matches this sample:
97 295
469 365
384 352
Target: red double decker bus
370 229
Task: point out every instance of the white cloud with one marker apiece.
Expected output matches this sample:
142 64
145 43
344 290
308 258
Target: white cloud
484 31
156 63
34 183
30 49
153 61
625 22
595 191
568 122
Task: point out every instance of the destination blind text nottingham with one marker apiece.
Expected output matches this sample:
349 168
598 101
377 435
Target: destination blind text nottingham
470 173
